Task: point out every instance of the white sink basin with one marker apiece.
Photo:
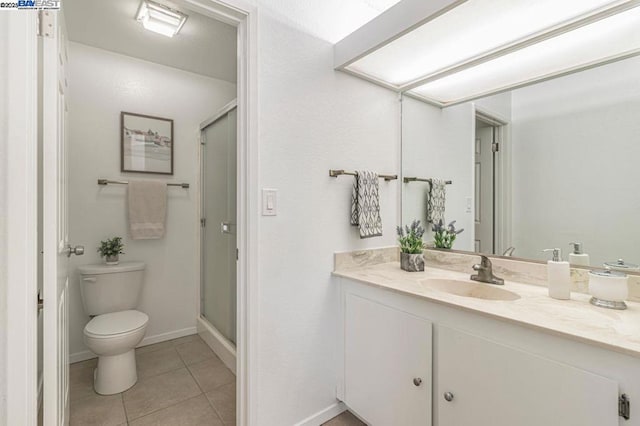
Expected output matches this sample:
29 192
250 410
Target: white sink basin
470 289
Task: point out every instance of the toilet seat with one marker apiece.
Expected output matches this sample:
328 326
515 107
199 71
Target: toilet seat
116 324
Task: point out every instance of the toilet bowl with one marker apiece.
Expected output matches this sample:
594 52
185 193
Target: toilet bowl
110 294
113 337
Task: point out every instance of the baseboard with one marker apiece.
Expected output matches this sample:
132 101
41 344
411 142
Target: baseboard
219 344
149 340
324 415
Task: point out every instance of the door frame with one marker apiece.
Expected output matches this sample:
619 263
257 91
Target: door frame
502 168
20 205
19 112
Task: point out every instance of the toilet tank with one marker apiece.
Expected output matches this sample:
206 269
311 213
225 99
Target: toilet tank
111 288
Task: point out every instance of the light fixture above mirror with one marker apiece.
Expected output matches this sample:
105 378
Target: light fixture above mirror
451 52
160 19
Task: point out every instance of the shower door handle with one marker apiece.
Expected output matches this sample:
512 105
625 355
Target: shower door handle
225 227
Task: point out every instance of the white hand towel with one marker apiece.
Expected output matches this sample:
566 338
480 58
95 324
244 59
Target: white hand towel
435 201
147 209
365 205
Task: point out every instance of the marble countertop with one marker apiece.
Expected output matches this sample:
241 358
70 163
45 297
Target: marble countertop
576 318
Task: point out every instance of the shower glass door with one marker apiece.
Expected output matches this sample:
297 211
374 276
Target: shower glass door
218 220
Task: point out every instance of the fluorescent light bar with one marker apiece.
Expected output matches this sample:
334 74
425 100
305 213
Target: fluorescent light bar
612 38
160 19
468 31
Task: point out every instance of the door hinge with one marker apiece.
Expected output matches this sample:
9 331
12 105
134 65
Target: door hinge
46 23
237 254
203 140
495 147
203 222
624 406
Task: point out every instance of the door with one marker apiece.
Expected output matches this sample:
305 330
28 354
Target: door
53 217
484 383
484 188
218 220
387 364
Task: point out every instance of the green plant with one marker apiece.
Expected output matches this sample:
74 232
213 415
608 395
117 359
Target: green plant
411 238
111 247
445 236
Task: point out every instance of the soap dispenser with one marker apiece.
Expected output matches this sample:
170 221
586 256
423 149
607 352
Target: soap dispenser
577 257
558 275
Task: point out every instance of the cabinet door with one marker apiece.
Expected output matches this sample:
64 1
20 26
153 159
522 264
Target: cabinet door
495 385
387 364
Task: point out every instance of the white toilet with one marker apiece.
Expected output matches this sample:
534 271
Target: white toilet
110 294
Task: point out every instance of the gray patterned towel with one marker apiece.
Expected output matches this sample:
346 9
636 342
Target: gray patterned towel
435 201
365 205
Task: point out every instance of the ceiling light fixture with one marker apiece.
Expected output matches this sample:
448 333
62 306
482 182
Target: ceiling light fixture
472 48
160 19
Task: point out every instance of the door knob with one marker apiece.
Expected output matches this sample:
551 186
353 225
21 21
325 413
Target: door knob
448 396
417 381
77 250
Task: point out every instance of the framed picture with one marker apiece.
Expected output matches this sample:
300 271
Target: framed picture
146 144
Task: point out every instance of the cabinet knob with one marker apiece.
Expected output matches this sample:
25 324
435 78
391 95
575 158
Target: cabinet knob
417 381
448 396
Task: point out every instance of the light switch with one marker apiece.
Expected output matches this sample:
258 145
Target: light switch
269 202
469 204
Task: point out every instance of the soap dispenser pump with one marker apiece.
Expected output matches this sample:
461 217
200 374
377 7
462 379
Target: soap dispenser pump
577 257
558 275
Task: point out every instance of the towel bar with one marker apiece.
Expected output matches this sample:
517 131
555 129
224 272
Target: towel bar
336 173
124 182
417 179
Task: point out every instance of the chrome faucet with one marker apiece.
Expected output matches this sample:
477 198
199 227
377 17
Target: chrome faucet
485 272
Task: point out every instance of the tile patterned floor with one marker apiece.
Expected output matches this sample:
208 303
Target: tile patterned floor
345 419
180 382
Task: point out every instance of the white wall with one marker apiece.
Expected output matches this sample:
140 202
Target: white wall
575 174
102 84
312 119
437 143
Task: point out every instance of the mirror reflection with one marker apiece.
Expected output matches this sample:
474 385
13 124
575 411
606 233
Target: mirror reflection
538 167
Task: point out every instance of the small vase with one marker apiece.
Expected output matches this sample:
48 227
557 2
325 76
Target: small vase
112 260
412 262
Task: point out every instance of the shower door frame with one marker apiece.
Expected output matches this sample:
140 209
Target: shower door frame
223 112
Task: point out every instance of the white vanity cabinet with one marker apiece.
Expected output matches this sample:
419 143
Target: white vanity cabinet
480 382
387 363
497 373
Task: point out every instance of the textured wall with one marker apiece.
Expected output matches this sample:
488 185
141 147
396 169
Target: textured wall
101 85
575 174
312 119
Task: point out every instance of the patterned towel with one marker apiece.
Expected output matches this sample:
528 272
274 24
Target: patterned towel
435 201
365 205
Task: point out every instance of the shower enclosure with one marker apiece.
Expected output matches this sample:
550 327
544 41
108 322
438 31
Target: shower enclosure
218 228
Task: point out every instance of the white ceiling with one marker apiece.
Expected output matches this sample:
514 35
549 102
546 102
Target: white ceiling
329 20
203 46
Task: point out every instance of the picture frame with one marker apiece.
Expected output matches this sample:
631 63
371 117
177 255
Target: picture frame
146 144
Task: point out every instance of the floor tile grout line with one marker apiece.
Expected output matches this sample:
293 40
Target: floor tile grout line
213 407
124 407
171 405
163 372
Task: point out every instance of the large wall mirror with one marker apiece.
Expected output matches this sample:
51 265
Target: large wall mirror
538 167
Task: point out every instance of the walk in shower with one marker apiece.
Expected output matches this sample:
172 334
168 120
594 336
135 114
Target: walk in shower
218 233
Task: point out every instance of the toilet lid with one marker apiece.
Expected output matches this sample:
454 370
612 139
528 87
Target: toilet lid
116 323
